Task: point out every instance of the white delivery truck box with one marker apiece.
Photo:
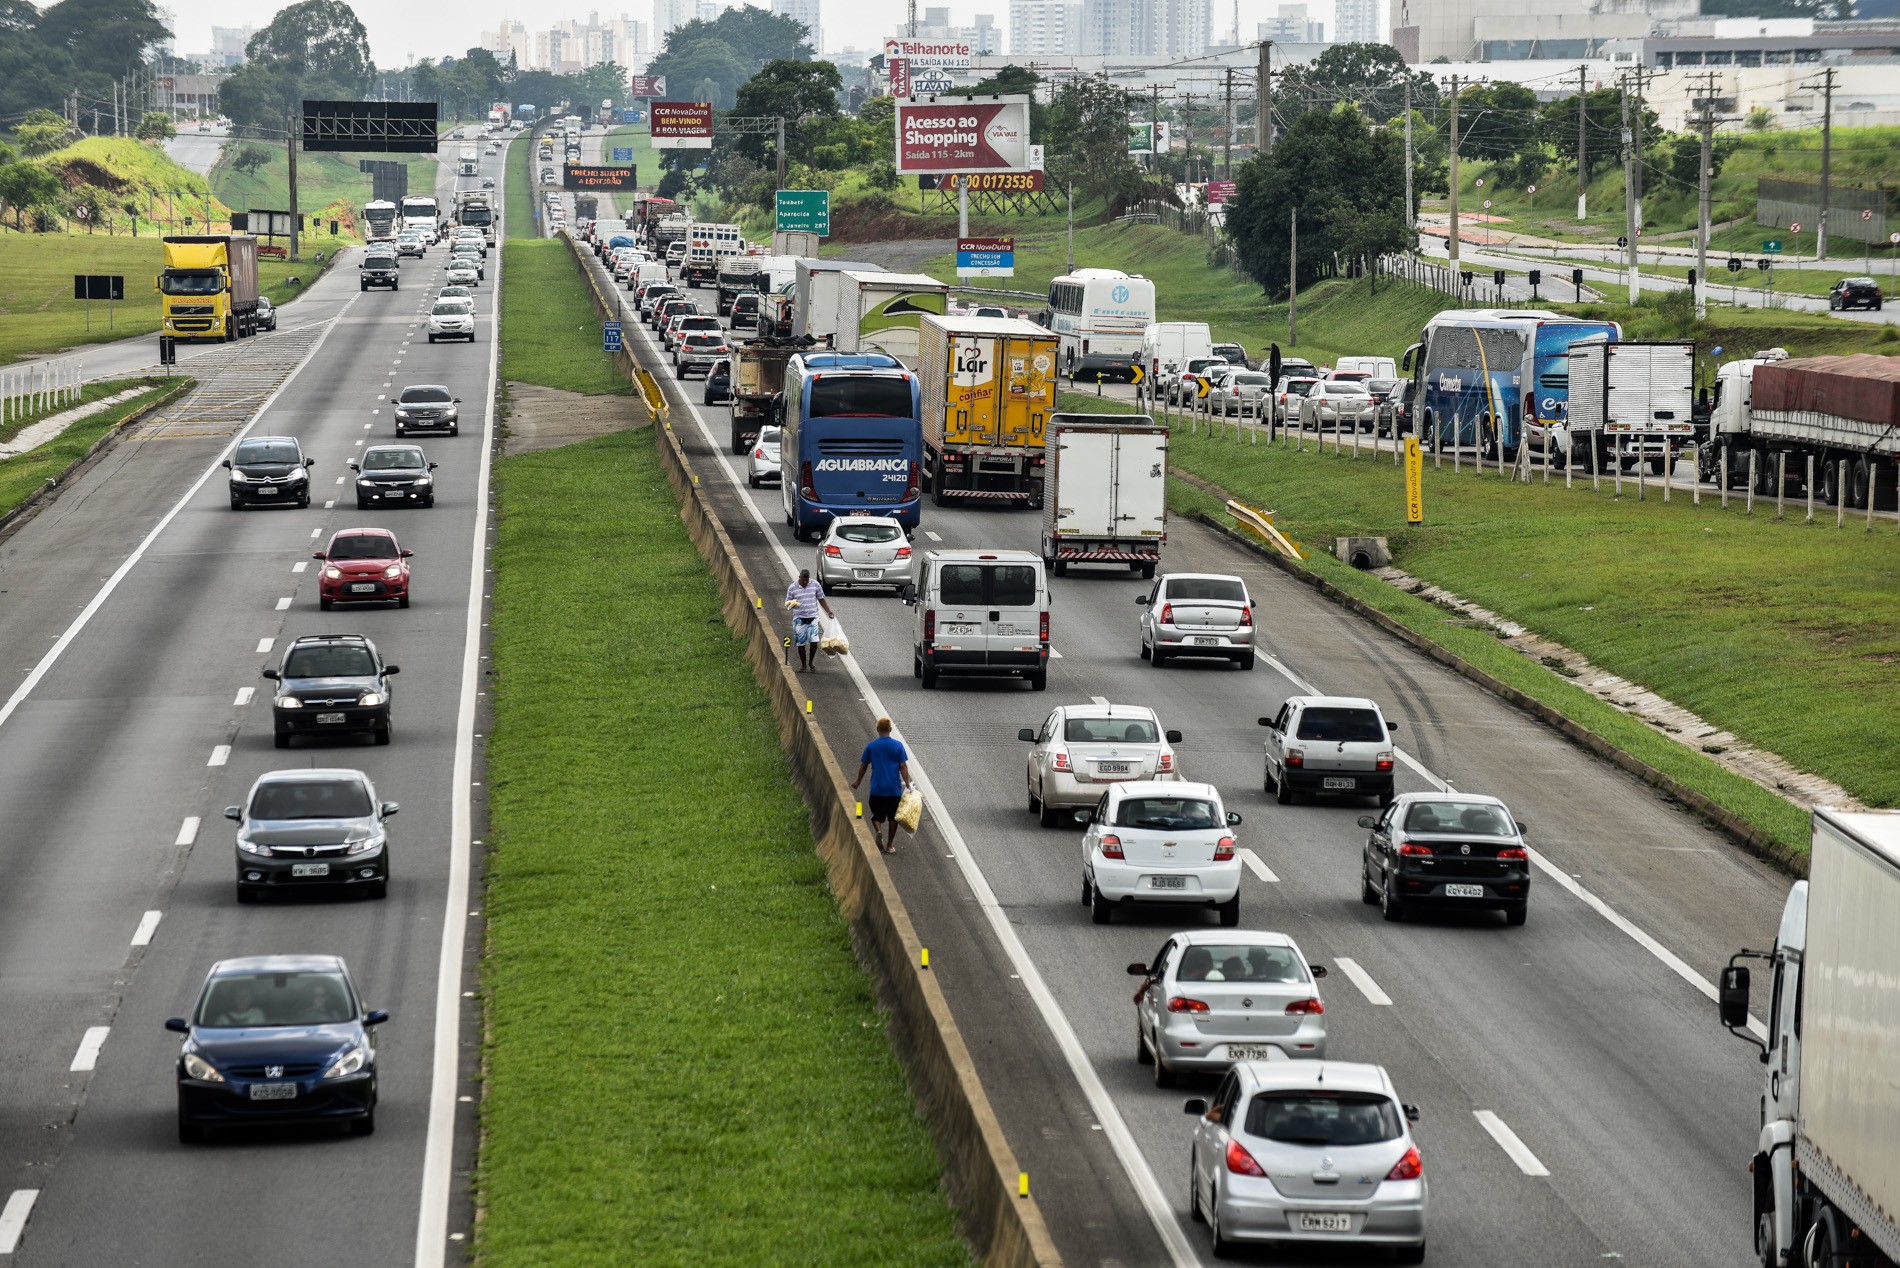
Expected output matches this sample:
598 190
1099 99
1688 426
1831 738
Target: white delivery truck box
1106 491
1167 346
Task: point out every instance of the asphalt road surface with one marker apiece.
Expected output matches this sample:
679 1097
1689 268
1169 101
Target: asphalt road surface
1580 1103
197 151
139 609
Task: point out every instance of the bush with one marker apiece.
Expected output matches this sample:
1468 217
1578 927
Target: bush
883 175
44 221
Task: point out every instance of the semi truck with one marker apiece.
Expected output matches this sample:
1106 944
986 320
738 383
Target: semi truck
813 282
708 246
209 287
379 221
471 162
1826 1168
758 376
881 312
1785 412
671 227
1635 400
989 391
1105 491
419 211
476 208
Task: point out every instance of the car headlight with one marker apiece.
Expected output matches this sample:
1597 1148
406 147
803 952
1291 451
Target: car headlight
349 1063
402 413
364 844
238 477
422 480
371 698
333 574
392 572
249 846
198 1068
365 482
289 702
299 474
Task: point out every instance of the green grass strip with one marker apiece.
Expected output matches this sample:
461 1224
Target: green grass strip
518 190
685 1063
20 476
549 334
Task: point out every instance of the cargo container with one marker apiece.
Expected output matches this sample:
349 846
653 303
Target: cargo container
209 287
709 246
758 376
880 312
989 390
1106 491
1842 414
1636 400
814 310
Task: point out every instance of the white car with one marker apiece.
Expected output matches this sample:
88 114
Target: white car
472 237
452 319
1211 999
463 273
455 292
863 550
1337 746
764 460
410 243
689 324
1081 749
1154 841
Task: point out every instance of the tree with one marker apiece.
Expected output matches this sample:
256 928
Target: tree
1013 81
1371 76
313 49
249 157
1684 159
728 49
706 60
1760 119
1603 128
540 89
156 126
1088 139
105 38
32 72
41 132
603 81
24 186
804 94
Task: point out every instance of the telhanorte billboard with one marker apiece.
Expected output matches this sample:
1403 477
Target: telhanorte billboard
963 134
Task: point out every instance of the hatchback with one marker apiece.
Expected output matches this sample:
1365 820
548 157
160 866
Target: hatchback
363 565
1154 841
394 475
277 1039
1336 745
1080 749
763 466
1197 614
699 350
1445 850
269 471
1287 395
745 311
452 319
1244 392
331 684
684 322
312 828
860 550
1211 999
1307 1151
266 313
719 385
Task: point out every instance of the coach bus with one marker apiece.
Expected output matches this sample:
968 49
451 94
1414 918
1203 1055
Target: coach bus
1100 316
850 440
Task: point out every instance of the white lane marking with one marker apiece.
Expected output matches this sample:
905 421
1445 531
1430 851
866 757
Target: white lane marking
119 574
87 1057
330 505
339 480
188 830
148 925
1507 1141
359 442
265 644
1100 700
932 536
219 755
316 533
244 695
300 565
1363 980
13 1218
283 604
1258 867
1148 1191
1054 654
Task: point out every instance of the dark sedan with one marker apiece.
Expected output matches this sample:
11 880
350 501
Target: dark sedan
1854 292
317 828
269 471
277 1039
331 684
1445 850
394 474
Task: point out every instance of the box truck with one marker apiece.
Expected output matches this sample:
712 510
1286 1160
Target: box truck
989 390
708 245
1105 491
814 304
1636 400
879 312
1831 410
758 376
209 287
1826 1169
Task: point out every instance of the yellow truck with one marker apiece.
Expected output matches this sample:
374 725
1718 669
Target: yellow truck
209 287
989 389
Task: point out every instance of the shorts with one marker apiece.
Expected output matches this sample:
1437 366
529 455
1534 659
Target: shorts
883 809
804 631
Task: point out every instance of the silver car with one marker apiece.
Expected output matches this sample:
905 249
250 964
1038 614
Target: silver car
1338 404
1340 746
1197 614
1211 999
463 273
764 465
699 351
1244 393
1307 1151
1081 749
311 828
863 550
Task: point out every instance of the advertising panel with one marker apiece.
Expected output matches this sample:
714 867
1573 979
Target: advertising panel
986 257
945 54
988 134
1219 192
899 68
682 125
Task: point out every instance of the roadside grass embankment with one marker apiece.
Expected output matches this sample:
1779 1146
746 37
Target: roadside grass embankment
322 180
684 1061
517 195
25 474
545 318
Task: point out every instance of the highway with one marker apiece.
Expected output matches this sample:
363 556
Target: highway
1579 1101
139 611
197 151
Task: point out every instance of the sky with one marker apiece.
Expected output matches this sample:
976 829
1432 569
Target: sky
399 33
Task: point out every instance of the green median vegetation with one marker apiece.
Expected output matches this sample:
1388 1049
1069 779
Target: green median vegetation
20 476
518 189
549 333
683 1060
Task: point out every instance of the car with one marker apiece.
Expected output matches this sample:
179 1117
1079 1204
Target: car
763 466
409 243
1308 1152
683 322
1331 745
1197 614
1448 850
980 612
331 684
1211 999
488 182
472 239
1854 292
463 253
394 475
269 471
277 1039
1385 403
699 351
455 292
1233 353
1160 841
649 296
1243 392
675 252
204 127
363 565
312 828
1184 387
379 268
427 407
745 310
1336 375
1344 403
462 272
1080 749
719 383
266 313
1289 392
452 319
670 307
856 550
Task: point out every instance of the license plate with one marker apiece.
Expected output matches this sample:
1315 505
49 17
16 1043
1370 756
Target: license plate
369 587
273 1091
326 719
267 493
1253 1052
1167 882
1339 783
868 574
961 627
309 869
1204 642
1464 891
1315 1222
1111 768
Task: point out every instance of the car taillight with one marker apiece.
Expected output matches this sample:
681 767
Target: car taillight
1240 1162
912 483
1224 850
1112 847
758 453
833 552
1166 762
930 626
1383 761
1246 618
1296 757
1182 1004
805 482
1042 627
1410 1167
1305 1008
1514 854
1530 407
1413 850
903 552
1167 614
1059 760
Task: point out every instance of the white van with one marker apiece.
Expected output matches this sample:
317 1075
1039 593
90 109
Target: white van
1166 346
1376 367
980 612
645 271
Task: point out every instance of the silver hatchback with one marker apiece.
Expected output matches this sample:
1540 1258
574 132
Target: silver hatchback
863 550
1211 999
1197 614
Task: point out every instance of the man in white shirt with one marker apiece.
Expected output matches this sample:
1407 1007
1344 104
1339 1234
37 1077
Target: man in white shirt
806 598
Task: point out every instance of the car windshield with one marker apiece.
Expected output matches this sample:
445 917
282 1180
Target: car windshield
363 546
453 292
1213 962
1341 726
1381 386
699 323
1218 589
1858 281
276 999
334 661
868 534
988 585
281 452
1465 818
1167 814
205 282
392 459
1251 380
1110 731
1323 1119
452 308
860 396
1345 387
461 268
311 799
1299 387
768 435
424 396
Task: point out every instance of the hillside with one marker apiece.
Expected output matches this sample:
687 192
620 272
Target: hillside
329 186
117 177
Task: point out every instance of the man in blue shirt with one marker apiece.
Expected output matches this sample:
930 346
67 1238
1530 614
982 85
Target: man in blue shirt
889 765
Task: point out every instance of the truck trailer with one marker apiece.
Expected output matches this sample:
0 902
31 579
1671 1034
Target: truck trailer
1828 411
813 306
209 287
880 312
989 391
1636 401
758 376
1105 491
1826 1169
475 208
708 246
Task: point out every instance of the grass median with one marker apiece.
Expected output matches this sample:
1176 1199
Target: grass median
549 333
684 1061
21 475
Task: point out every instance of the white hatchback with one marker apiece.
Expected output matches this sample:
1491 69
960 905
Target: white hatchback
463 273
763 464
1150 841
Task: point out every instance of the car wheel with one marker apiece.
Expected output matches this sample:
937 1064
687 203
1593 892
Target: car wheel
916 665
1217 1246
403 602
1389 905
361 505
1409 1254
455 431
325 604
431 338
1142 1055
929 676
1147 572
1164 1077
303 502
381 734
1386 799
1099 907
364 1126
282 739
1156 656
237 504
1246 661
1142 649
1282 792
429 503
400 431
1229 911
1367 895
1039 681
246 893
1267 781
1049 817
1516 915
189 1133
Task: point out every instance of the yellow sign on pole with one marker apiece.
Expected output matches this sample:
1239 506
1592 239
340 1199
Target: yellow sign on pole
1414 481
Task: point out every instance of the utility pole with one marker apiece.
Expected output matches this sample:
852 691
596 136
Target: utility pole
1187 122
1227 138
1827 155
778 149
1154 124
1637 139
1293 284
1629 197
1451 241
1071 267
963 205
1583 158
912 31
296 238
1263 109
1707 122
1409 221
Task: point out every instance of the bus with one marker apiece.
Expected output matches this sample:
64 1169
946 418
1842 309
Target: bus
419 211
1547 381
379 221
1100 316
851 440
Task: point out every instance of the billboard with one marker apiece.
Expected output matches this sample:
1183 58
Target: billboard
899 68
1219 192
649 85
947 54
682 125
577 176
986 257
1145 137
968 134
375 127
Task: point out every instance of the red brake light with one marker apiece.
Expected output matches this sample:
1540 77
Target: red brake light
1060 761
903 552
1223 849
1413 850
805 484
1043 628
1167 614
1514 854
758 453
1410 1167
912 483
930 625
1305 1008
1182 1004
1296 757
1167 762
1384 761
1240 1162
1112 847
1246 618
833 552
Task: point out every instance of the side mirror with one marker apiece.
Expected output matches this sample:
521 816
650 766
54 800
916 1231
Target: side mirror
1391 726
1026 734
178 1025
434 465
317 554
309 462
1195 1105
1367 821
1233 818
1319 970
1141 600
1411 1113
1732 996
458 400
353 466
1137 970
269 673
1083 816
908 593
233 813
390 808
226 464
1266 722
375 1017
392 669
407 553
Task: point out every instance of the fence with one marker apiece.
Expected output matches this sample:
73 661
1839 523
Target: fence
36 389
1467 285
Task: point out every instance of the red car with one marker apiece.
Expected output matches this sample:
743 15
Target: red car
363 565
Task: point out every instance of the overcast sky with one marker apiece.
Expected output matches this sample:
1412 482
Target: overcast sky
430 28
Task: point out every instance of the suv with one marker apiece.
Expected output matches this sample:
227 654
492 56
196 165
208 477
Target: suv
427 407
269 471
409 242
745 310
699 351
331 684
379 268
1854 292
980 612
321 827
1329 744
394 475
1448 849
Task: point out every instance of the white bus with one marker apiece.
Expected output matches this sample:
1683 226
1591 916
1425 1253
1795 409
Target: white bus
1100 316
420 212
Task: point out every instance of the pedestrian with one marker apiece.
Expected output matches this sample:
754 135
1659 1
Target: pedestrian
889 765
805 598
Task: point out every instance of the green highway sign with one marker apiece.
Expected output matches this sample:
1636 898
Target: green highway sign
804 210
1772 246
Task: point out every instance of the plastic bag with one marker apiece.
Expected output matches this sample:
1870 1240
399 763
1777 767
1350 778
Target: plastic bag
831 639
910 810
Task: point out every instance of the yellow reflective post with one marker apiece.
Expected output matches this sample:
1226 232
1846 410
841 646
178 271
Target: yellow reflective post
1414 482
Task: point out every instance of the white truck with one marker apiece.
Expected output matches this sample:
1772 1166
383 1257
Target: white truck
1105 495
1637 400
709 245
1167 346
1786 413
470 161
1827 1164
880 312
813 283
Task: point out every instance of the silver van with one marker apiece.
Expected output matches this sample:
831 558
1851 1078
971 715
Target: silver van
980 612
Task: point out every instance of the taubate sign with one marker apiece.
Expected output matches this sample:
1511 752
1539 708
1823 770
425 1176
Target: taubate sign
976 134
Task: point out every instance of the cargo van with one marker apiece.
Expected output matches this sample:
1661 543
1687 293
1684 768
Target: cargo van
1167 346
644 272
1372 367
982 613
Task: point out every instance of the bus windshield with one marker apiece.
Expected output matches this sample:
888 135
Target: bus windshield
859 397
1551 368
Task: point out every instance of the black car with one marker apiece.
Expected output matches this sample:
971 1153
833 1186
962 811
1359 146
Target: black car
277 1039
1385 399
380 268
269 471
394 475
1445 850
331 684
1854 292
745 311
719 383
312 829
427 407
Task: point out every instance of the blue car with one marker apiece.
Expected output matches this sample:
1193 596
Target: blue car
277 1039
